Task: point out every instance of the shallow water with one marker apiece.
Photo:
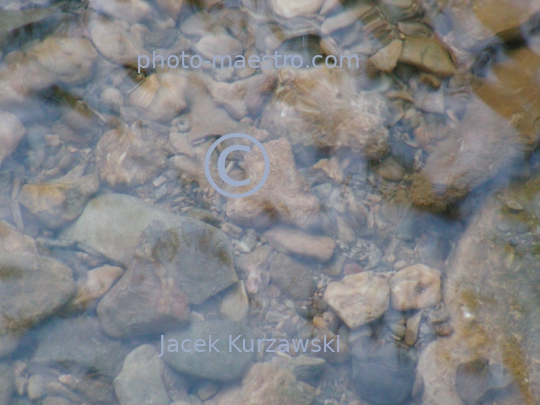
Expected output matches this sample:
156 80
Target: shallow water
370 238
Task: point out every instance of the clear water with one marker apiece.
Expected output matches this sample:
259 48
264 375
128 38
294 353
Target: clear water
372 236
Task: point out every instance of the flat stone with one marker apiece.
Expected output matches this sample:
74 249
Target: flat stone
226 365
48 281
415 287
197 256
292 277
359 298
141 378
295 242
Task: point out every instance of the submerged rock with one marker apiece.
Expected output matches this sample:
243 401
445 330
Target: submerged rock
61 201
295 242
11 132
12 241
415 287
47 281
160 97
130 156
292 277
268 384
205 361
359 298
98 282
491 295
320 108
235 304
285 197
197 256
290 9
145 301
117 41
54 60
498 131
141 378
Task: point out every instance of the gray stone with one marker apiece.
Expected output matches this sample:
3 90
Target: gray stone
143 302
80 344
47 281
291 277
197 256
227 365
141 379
7 383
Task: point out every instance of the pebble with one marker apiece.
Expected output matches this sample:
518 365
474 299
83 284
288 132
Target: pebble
427 54
48 281
359 299
140 380
334 266
126 156
61 201
390 170
413 324
11 132
292 277
98 282
220 43
36 387
289 9
415 287
235 304
12 241
296 242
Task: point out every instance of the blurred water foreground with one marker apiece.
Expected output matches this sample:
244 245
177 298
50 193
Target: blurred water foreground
399 223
